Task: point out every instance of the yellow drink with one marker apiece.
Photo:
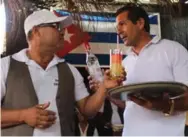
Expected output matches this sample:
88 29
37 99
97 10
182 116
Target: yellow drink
115 63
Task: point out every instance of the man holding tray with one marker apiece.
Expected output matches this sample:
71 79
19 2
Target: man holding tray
151 60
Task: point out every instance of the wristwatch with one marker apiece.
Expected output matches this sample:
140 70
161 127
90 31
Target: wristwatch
171 108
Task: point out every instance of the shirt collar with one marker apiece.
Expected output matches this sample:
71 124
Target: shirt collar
85 131
154 40
22 57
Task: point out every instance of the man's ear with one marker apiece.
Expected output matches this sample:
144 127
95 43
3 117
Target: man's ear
35 31
141 23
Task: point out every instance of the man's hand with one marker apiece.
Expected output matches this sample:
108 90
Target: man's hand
38 116
162 104
93 84
159 104
108 81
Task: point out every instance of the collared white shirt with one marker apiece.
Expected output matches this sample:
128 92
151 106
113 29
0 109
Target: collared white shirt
115 120
159 60
45 84
83 133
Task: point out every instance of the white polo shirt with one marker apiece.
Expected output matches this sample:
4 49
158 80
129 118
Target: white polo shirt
45 85
160 60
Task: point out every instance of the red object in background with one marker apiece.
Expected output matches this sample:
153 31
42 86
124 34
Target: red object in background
74 37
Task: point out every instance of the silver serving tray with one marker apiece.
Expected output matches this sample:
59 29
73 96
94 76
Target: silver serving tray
151 90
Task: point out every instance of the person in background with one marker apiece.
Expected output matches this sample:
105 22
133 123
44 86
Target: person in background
102 121
82 125
117 122
110 115
38 89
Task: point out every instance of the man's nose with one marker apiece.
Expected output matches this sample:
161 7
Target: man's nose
119 30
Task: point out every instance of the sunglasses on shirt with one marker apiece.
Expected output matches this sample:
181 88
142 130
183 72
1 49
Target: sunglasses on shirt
57 26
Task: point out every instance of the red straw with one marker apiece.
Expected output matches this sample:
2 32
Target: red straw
117 41
87 46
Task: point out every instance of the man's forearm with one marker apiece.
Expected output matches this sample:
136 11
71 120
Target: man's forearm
95 102
11 117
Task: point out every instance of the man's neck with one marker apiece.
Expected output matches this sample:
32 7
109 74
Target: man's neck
42 59
144 40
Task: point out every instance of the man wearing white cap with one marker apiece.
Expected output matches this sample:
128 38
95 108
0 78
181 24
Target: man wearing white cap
38 89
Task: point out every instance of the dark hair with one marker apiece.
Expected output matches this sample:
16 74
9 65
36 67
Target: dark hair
135 12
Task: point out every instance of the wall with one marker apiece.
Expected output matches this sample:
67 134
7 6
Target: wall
175 29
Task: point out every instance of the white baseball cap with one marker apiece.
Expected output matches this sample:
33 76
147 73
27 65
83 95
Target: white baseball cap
45 16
